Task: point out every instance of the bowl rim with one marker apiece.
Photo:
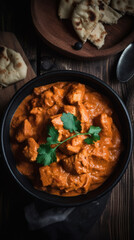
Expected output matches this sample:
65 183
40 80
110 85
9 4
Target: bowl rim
55 199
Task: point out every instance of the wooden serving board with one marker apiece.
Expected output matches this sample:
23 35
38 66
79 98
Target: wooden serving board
60 35
9 40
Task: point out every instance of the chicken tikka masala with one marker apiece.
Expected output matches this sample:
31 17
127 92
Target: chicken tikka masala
79 165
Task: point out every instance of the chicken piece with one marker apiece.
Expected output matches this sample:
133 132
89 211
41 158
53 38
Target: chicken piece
70 109
58 124
39 90
17 121
53 110
58 95
105 122
30 150
96 104
84 115
85 119
100 167
56 121
77 164
101 152
75 145
53 175
47 96
76 93
46 175
79 183
35 102
38 112
82 162
25 131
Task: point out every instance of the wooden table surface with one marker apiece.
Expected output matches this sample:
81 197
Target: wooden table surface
117 220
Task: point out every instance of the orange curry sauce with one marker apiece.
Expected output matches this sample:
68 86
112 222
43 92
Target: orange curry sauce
80 167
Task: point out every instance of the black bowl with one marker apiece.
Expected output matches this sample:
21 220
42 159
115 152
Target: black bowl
125 126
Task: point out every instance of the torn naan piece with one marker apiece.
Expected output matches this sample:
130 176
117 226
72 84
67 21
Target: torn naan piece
66 8
124 6
84 19
97 36
107 1
12 66
107 14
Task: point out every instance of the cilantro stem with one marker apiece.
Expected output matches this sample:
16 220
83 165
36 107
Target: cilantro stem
75 135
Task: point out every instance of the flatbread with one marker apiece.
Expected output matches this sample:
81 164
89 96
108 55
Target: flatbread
107 14
124 6
107 1
12 66
84 19
97 36
66 8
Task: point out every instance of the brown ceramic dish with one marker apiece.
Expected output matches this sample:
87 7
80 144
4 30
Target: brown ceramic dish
61 36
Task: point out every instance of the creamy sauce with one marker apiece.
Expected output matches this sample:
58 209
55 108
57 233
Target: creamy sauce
80 167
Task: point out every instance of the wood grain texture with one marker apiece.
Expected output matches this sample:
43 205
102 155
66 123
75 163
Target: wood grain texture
9 40
117 220
59 34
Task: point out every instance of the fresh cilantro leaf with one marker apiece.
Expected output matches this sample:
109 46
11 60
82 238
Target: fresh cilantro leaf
96 137
46 154
89 140
94 130
53 133
70 122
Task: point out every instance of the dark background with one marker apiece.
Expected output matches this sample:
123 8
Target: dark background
116 222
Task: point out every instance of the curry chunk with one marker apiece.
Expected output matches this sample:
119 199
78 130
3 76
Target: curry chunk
70 109
75 145
53 175
58 124
25 131
78 163
57 177
58 95
76 93
30 150
84 116
47 97
105 123
39 90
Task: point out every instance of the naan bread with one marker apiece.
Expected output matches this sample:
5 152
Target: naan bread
124 6
97 36
107 14
107 1
84 19
66 8
12 66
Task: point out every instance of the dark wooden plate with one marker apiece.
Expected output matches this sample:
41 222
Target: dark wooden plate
60 35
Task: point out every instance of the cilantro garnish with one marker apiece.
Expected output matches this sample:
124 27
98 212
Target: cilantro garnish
70 122
47 154
53 133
